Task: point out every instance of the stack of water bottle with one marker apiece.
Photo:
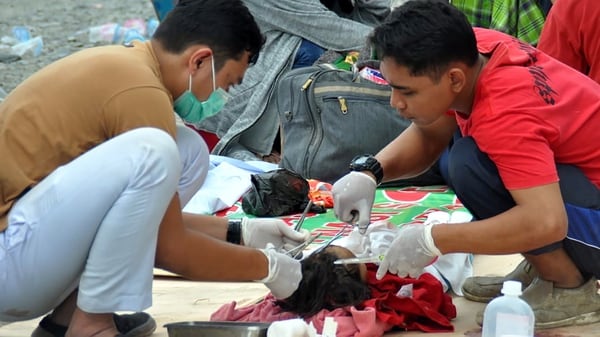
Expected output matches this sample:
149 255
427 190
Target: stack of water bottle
115 33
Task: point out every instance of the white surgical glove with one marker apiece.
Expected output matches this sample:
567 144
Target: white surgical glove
412 250
257 232
353 196
285 273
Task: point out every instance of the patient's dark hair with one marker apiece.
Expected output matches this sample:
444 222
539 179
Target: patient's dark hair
325 285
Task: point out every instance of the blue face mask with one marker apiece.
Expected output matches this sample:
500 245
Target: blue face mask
192 110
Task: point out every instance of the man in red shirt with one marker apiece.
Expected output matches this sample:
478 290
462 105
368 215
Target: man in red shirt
526 166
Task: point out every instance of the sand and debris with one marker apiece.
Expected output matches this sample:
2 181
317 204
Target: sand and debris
63 26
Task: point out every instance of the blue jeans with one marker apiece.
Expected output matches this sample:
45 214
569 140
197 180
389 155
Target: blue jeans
474 178
308 53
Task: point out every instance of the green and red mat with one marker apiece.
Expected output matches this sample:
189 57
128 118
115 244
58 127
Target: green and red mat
396 205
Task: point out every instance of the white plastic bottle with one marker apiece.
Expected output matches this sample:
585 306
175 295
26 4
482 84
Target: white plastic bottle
508 315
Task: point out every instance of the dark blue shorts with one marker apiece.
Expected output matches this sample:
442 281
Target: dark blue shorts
475 179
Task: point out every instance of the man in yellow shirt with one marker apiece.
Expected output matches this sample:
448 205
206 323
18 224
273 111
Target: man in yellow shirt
95 171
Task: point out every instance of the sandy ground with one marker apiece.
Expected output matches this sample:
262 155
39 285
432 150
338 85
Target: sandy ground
58 22
177 300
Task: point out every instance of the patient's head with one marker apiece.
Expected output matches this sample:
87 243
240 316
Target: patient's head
326 285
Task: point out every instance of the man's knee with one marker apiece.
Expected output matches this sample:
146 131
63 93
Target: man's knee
195 159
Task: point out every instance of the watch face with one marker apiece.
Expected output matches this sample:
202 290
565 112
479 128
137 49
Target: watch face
367 163
361 160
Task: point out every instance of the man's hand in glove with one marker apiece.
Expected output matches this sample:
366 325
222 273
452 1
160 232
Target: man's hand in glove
412 250
285 273
353 196
258 232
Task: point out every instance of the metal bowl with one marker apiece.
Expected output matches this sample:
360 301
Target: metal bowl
217 329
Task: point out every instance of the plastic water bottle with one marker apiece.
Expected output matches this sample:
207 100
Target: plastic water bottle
34 46
151 26
108 32
508 315
132 35
21 33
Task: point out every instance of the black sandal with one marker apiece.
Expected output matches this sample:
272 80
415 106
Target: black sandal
138 324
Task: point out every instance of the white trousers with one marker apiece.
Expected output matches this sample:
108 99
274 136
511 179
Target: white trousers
92 224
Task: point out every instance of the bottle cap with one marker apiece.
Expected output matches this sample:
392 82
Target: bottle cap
511 288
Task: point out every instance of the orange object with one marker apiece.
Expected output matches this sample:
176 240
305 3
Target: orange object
320 193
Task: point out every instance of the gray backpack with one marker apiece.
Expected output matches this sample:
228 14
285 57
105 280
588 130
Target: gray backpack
328 116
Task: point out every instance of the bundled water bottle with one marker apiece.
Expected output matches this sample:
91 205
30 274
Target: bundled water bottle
508 315
24 43
130 30
108 32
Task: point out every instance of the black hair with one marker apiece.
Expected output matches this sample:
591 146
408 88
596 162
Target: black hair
425 36
226 26
326 285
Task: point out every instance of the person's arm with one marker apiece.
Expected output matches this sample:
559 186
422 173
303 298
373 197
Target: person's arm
213 226
370 12
410 154
239 151
416 149
538 219
561 40
205 256
310 20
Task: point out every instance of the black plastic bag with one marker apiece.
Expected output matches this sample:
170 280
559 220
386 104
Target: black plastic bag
275 193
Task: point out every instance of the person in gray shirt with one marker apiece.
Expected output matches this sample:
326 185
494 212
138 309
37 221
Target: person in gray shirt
291 29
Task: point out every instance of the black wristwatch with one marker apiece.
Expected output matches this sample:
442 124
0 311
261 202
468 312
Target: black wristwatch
367 162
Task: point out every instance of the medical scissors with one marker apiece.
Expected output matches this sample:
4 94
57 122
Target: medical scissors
335 237
294 252
303 216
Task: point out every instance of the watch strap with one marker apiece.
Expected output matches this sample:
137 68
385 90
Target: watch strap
368 162
234 231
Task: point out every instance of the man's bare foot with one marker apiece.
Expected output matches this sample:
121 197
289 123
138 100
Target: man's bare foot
84 324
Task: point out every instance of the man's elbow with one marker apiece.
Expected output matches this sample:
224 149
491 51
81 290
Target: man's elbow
555 227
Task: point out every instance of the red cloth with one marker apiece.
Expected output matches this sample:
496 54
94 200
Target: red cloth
351 322
531 112
210 139
428 310
263 311
571 35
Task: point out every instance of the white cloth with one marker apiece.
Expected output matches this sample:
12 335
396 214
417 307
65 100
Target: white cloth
227 181
92 224
296 327
224 185
450 269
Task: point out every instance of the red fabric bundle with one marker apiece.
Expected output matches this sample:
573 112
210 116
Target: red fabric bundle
429 309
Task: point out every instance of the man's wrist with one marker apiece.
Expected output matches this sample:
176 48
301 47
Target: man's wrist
368 163
430 246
